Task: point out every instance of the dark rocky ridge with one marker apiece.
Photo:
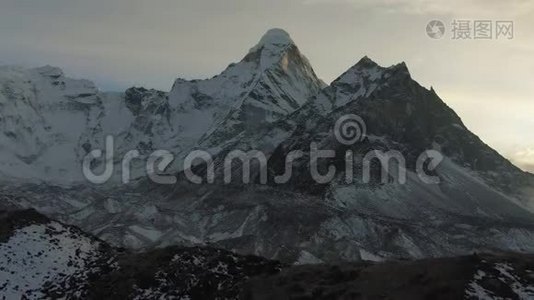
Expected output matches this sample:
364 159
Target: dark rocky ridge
114 273
495 276
210 273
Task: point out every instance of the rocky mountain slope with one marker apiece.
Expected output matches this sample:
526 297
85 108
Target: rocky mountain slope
44 259
270 101
41 257
495 276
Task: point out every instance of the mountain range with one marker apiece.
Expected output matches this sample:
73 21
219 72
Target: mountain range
270 101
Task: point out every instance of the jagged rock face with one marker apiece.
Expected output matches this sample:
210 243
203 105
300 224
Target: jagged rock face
272 101
43 115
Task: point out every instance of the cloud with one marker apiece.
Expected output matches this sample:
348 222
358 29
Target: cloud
529 168
525 159
482 8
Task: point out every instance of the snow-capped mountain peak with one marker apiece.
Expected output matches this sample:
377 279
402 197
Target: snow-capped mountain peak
275 49
364 78
271 81
273 40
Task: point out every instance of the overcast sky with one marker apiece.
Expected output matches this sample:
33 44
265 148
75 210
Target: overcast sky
120 43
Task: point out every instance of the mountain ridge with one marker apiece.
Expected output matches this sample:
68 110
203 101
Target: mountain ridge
43 258
482 201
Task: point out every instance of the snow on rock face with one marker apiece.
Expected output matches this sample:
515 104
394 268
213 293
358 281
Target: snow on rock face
363 79
270 82
50 122
38 258
43 115
50 71
271 46
307 258
495 280
273 39
43 259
